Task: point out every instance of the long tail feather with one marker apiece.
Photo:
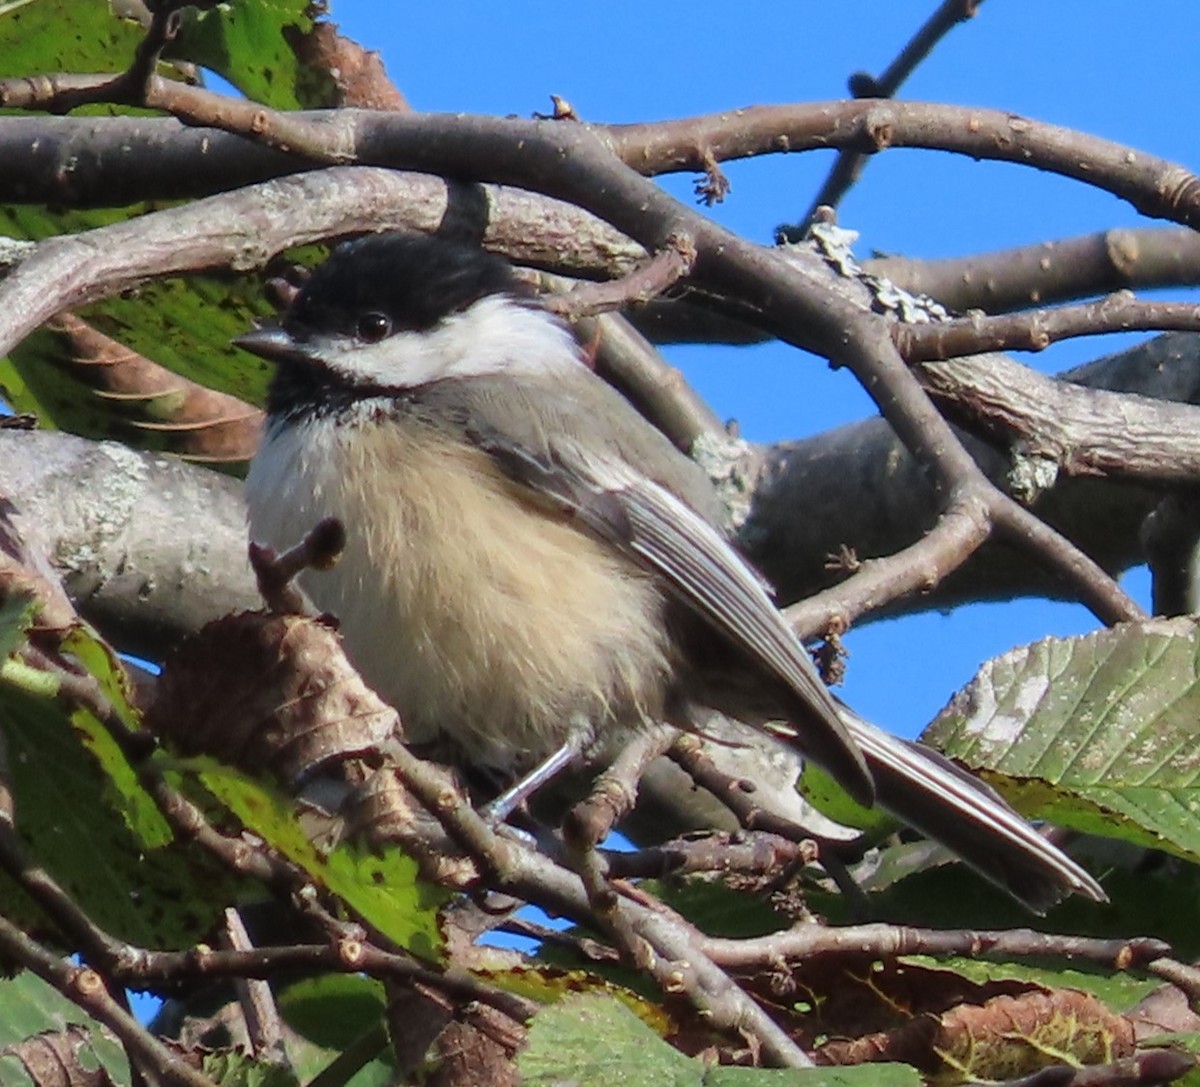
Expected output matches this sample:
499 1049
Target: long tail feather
945 803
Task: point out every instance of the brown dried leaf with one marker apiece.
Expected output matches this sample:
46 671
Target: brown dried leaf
267 692
1005 1038
381 810
1167 1010
346 74
204 425
26 571
53 1059
847 996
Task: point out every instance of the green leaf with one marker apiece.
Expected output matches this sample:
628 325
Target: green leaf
334 1009
136 805
186 325
339 1017
1096 733
230 1068
594 1041
1119 991
244 43
832 801
29 1006
384 887
717 909
82 815
16 613
47 36
161 899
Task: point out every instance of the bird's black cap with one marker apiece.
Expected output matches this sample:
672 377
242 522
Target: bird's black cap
413 279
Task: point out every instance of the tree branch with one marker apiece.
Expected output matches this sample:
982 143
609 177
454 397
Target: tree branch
1053 271
977 333
848 166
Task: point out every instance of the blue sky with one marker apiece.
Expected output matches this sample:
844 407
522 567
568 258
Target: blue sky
1107 67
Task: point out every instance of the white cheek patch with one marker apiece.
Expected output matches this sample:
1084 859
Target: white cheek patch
494 335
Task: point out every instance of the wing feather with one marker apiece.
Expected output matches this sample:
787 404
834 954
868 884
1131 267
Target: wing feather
664 534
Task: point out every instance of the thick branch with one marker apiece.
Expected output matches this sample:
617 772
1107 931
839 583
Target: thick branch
124 533
1054 271
1155 187
1077 430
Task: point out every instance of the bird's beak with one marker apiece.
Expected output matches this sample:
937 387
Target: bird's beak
272 342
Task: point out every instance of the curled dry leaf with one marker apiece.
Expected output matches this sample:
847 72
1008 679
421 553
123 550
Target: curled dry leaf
1007 1037
379 809
203 424
268 692
26 571
62 1058
272 693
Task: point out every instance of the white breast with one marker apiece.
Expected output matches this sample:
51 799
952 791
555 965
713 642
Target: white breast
478 614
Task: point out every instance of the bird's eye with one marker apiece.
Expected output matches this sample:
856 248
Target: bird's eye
373 327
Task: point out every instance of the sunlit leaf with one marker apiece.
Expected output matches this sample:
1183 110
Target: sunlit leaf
244 42
382 885
1097 733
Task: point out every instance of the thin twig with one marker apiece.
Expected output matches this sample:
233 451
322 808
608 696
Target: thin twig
805 942
264 1025
614 792
1151 1066
84 987
959 532
1179 974
749 853
1036 330
848 166
667 267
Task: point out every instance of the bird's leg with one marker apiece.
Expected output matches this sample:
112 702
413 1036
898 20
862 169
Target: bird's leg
496 811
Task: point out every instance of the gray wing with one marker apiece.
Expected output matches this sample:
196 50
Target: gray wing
618 498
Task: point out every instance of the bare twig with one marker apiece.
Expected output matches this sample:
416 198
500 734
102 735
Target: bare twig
848 166
804 942
735 793
959 532
666 268
1151 1066
264 1026
84 987
1155 187
343 954
752 853
978 333
1182 975
614 792
276 573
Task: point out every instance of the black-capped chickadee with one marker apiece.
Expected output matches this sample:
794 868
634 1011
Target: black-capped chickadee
531 566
